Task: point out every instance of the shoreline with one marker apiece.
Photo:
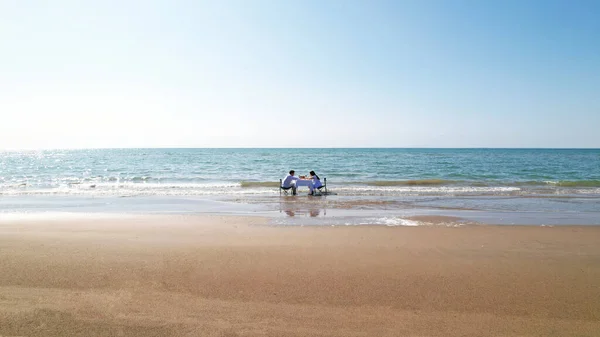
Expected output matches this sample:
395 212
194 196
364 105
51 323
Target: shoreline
315 217
318 211
240 276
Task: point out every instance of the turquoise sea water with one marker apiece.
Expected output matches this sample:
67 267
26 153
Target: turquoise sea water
129 172
425 178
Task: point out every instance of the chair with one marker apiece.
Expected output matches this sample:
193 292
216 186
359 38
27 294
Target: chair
285 190
320 189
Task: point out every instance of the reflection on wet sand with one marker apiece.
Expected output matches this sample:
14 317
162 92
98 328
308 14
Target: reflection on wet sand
303 212
293 209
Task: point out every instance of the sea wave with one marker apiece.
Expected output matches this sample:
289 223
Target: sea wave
383 183
559 183
425 190
576 183
146 188
447 182
126 189
419 182
249 184
390 222
243 188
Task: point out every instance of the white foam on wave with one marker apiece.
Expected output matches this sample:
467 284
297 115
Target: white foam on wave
587 191
449 189
235 188
390 221
137 189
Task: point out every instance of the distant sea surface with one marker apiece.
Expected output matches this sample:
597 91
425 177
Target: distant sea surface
180 172
565 181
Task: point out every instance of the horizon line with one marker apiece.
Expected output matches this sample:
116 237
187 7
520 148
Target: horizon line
303 147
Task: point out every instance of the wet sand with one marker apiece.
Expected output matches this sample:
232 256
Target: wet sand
238 276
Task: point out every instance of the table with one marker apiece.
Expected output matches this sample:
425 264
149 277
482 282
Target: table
304 182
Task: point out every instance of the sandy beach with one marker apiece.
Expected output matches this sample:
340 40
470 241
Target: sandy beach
239 276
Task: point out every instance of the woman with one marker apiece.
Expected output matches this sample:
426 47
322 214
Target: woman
316 182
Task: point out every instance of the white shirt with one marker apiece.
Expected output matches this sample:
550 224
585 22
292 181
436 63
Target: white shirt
287 182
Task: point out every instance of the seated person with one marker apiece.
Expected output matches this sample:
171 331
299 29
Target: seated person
316 182
290 182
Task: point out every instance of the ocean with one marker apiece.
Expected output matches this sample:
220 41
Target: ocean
563 182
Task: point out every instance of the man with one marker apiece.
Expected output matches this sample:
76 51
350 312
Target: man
290 182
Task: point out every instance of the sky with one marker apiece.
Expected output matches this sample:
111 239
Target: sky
251 73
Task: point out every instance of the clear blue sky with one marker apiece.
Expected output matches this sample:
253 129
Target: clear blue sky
299 73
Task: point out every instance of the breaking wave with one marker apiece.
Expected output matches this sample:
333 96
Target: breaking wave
420 182
575 183
374 188
248 184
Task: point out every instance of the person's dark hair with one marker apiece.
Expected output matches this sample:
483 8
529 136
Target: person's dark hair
312 173
292 172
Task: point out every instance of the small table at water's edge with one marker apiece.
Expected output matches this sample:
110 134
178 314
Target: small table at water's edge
303 182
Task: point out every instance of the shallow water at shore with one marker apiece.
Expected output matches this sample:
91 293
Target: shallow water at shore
323 210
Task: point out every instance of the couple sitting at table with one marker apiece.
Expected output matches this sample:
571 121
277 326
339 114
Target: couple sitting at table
293 182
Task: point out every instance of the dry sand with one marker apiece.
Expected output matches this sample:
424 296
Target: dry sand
230 276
